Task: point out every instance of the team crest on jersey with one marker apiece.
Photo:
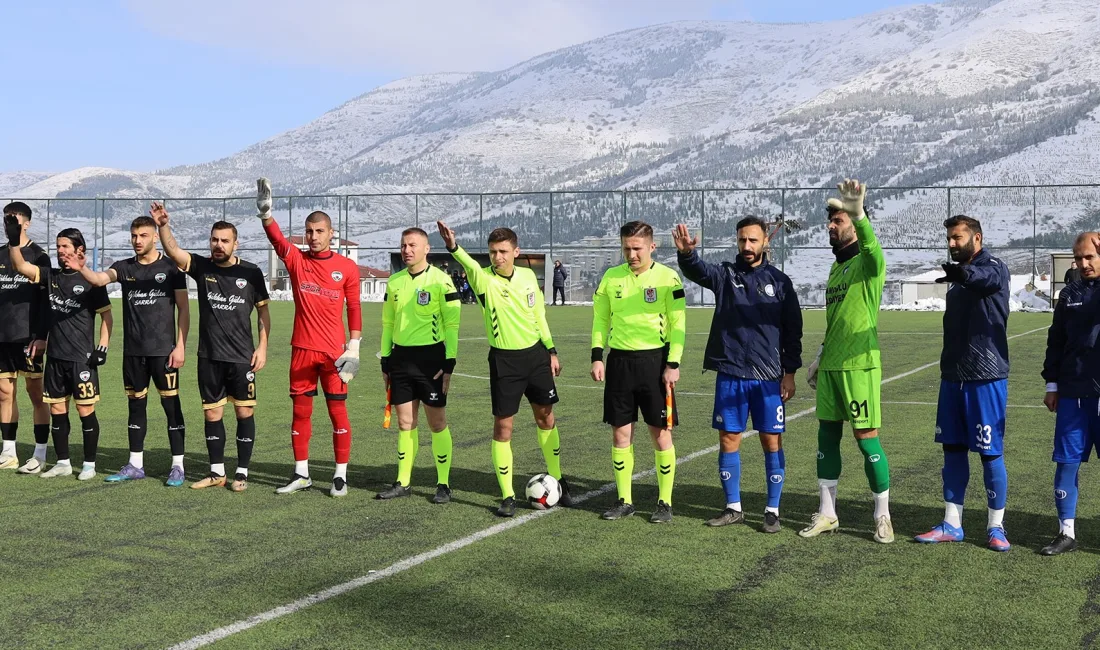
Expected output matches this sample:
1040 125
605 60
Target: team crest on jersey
241 283
531 299
423 297
78 289
85 375
250 376
770 290
650 294
337 276
160 277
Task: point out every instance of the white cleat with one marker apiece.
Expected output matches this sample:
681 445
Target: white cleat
9 461
87 473
884 530
339 488
819 524
58 470
33 465
296 484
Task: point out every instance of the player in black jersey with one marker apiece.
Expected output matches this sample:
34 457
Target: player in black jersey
72 356
153 290
26 310
228 289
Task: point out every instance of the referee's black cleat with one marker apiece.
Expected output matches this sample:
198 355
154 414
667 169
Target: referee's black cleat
394 491
1061 544
621 509
662 515
442 494
566 500
771 523
507 508
727 517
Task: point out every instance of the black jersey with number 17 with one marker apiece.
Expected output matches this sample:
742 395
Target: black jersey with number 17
227 295
73 306
149 305
24 305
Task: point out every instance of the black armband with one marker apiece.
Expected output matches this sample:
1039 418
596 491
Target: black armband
597 354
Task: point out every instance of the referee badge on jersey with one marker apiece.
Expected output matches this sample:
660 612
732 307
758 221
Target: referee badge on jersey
423 297
337 276
85 375
650 294
160 277
241 282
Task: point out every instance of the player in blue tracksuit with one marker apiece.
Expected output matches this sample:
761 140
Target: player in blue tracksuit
973 381
1072 373
755 346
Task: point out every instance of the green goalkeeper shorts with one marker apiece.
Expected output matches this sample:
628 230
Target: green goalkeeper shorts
851 395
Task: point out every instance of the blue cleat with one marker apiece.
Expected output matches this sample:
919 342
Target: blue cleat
127 473
175 477
945 532
997 540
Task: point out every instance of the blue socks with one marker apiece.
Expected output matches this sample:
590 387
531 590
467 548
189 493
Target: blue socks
1065 489
775 466
996 481
729 470
956 474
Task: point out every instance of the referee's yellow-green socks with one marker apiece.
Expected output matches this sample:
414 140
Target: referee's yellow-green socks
666 473
407 443
550 442
502 465
442 449
622 460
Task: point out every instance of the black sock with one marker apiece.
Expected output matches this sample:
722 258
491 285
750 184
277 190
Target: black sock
246 437
215 441
90 424
174 414
41 434
7 430
60 426
137 424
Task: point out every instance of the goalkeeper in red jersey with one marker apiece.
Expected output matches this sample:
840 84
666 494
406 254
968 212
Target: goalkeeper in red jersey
322 281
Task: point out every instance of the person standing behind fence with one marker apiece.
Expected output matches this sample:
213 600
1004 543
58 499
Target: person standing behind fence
560 276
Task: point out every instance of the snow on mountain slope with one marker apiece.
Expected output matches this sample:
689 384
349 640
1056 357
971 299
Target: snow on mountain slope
12 182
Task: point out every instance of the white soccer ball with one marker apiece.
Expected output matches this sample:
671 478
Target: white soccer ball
543 491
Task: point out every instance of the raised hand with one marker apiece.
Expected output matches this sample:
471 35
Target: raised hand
158 213
13 229
74 260
852 195
685 243
448 235
953 273
263 198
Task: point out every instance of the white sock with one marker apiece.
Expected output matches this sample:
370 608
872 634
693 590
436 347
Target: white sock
774 511
67 461
1067 528
827 488
341 471
177 461
734 506
953 514
882 504
243 471
996 518
88 466
40 452
217 468
9 448
301 468
137 459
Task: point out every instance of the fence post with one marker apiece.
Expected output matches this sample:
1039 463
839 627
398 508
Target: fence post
623 219
416 209
480 220
551 227
223 211
702 237
1034 235
47 242
783 231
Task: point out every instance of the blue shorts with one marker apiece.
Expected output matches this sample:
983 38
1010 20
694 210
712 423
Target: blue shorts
972 413
1076 424
735 399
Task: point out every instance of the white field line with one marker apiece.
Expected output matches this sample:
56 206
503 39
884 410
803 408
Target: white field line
416 560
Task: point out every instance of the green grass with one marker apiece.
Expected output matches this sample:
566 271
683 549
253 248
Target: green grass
141 565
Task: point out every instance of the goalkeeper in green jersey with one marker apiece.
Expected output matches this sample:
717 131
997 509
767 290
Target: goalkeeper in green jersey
639 312
522 358
848 371
420 320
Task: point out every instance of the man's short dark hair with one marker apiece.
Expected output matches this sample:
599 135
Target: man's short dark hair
223 225
504 235
752 220
75 236
143 222
317 216
636 229
414 231
972 224
20 208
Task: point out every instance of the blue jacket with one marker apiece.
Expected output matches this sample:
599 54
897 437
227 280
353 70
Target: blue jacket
1073 356
975 338
756 330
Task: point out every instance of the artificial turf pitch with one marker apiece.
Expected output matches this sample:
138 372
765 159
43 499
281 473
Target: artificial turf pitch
140 565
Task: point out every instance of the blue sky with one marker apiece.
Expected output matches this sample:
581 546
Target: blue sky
146 84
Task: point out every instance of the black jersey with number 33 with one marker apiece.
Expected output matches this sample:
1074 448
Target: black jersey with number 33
227 295
24 305
149 305
73 306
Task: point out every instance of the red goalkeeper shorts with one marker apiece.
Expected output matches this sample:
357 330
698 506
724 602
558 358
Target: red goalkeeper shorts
309 366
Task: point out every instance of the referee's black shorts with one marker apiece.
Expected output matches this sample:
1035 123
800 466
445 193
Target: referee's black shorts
516 373
633 382
412 374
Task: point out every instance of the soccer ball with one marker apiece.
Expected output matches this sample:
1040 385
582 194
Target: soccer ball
543 491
